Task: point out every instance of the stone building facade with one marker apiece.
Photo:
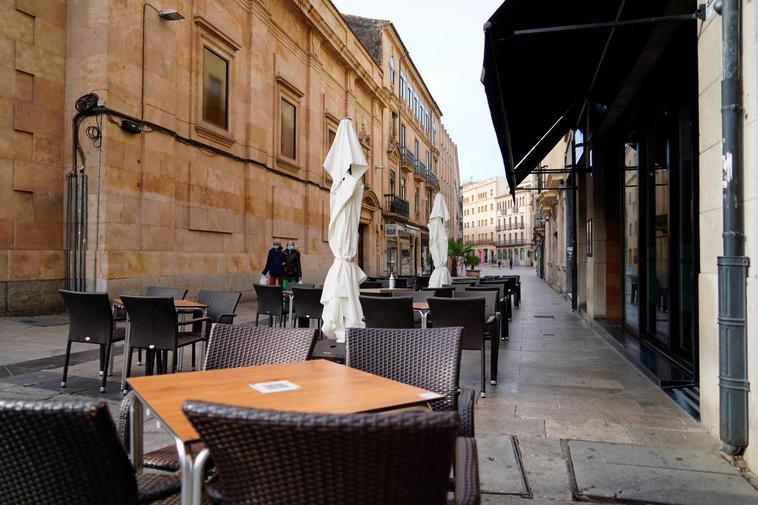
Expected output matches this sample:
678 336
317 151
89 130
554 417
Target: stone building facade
515 225
421 157
240 101
480 215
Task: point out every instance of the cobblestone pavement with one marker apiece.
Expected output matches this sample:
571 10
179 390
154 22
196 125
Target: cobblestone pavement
558 381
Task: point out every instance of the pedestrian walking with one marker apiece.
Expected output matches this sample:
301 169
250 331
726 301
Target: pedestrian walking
274 264
511 262
499 264
293 271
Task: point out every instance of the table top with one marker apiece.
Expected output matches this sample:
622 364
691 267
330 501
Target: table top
420 305
179 304
325 387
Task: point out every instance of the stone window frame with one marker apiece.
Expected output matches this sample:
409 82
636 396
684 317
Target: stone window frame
208 36
285 90
330 123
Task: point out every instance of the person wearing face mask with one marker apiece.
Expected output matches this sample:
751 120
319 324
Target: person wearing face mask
293 271
274 264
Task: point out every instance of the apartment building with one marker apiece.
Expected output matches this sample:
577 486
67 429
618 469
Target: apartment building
480 215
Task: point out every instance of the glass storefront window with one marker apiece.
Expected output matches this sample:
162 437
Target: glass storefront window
631 238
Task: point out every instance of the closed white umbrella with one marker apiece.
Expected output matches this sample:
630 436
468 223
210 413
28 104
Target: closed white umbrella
346 164
438 242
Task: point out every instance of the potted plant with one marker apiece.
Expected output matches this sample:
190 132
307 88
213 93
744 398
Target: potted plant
455 251
472 260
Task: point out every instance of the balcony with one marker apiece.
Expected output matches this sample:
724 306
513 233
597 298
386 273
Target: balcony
431 178
408 160
396 205
420 171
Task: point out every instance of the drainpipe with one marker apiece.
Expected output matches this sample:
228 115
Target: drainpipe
733 265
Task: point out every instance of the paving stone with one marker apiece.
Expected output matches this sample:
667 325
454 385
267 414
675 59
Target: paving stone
591 429
499 469
663 476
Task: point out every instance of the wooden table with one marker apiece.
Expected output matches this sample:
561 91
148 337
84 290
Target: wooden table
325 387
180 306
423 309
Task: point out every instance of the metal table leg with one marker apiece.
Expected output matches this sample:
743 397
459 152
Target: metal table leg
136 427
423 314
127 350
186 472
291 320
198 471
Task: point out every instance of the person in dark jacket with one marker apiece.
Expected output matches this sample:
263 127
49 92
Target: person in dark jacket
293 271
274 264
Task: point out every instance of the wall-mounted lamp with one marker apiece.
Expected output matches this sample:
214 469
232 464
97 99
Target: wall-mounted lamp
170 14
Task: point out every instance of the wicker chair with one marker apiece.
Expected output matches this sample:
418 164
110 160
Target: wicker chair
506 294
153 326
422 281
371 285
68 452
443 292
282 458
91 322
501 308
383 312
425 358
269 303
492 323
176 294
230 347
307 305
466 312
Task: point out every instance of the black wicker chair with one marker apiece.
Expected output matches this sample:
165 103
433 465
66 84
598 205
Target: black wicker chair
371 285
230 346
384 312
166 292
443 292
90 322
466 312
153 326
426 358
282 458
269 303
69 452
506 294
501 307
493 322
422 281
307 306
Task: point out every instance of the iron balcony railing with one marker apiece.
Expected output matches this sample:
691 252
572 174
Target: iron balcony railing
395 205
432 178
408 157
421 168
516 242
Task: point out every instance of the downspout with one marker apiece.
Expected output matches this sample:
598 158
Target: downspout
733 265
571 253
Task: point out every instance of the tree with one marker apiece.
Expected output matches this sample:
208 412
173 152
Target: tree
455 250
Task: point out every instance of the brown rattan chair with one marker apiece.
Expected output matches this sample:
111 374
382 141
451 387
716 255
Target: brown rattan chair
465 312
231 347
68 452
284 458
91 322
426 358
387 312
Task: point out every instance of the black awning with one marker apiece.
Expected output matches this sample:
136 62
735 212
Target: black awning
539 81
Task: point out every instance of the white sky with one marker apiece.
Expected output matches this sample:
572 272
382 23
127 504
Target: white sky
446 43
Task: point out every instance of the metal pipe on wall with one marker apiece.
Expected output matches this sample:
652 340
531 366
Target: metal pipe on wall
733 265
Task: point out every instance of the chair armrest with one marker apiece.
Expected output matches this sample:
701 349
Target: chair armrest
466 401
196 320
123 420
466 472
226 318
491 319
